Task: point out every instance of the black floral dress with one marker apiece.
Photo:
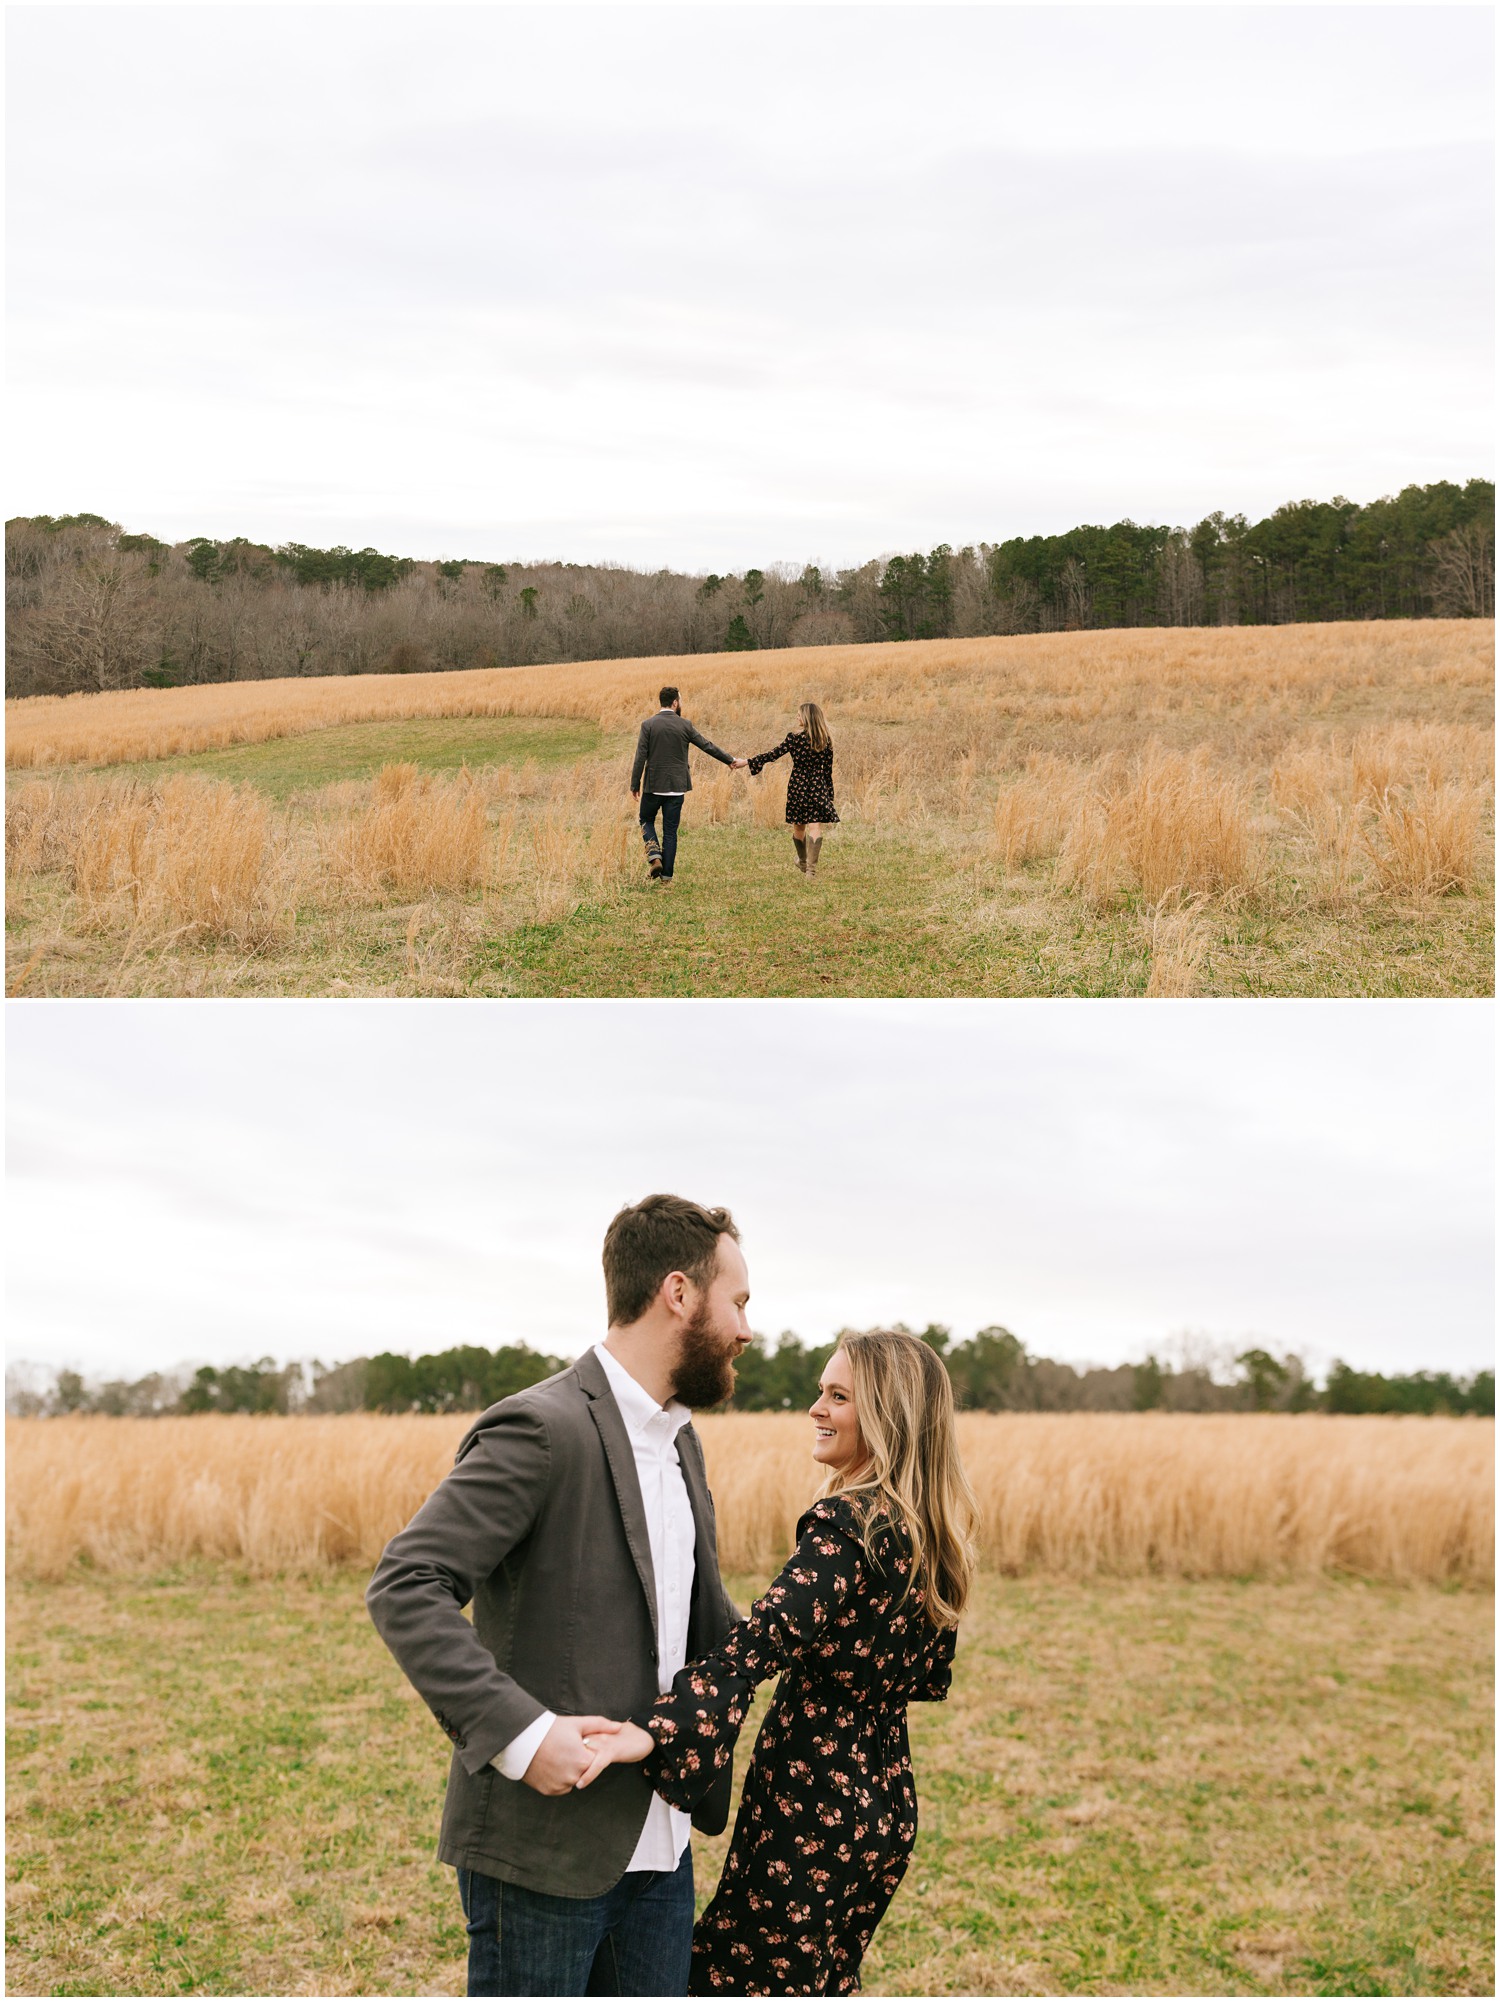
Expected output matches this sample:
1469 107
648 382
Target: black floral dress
828 1815
809 790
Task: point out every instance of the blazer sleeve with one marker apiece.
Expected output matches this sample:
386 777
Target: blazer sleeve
697 737
695 1724
770 757
638 768
429 1571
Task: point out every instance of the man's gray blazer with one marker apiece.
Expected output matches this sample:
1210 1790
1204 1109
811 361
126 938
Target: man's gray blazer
541 1525
661 753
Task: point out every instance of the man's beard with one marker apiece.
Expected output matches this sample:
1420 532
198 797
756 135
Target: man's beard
704 1375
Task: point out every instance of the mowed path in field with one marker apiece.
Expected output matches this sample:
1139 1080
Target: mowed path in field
889 915
282 766
219 1785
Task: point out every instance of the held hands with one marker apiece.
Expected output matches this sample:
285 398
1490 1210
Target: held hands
567 1752
738 764
626 1745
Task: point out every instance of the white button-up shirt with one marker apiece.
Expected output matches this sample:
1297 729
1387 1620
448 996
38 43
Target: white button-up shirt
652 1430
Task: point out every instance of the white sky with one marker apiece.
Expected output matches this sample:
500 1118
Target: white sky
213 1182
713 286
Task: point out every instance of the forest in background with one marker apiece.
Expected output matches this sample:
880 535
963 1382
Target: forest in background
90 607
992 1371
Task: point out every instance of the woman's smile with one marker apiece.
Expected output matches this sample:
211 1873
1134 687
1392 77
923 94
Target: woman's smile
835 1422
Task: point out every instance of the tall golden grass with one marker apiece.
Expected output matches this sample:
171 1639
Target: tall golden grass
951 699
1171 823
1172 776
195 857
1424 840
186 856
1190 1496
419 832
1175 824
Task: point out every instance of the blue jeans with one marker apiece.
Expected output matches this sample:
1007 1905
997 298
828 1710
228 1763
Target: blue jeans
669 806
636 1939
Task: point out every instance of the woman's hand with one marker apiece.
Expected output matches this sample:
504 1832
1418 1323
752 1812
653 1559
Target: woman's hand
625 1747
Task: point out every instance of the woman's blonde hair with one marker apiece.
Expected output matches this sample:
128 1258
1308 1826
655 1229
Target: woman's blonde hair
903 1406
816 727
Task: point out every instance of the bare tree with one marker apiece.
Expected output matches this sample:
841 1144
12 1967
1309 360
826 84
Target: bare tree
1463 572
95 634
1076 598
1179 585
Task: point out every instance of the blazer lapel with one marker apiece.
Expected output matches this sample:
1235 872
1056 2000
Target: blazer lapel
621 1457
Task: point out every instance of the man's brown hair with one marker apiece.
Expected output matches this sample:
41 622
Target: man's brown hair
651 1238
667 697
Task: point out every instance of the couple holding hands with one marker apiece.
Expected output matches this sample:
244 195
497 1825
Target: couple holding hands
595 1700
660 780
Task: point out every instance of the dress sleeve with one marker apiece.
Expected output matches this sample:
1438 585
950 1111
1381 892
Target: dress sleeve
770 757
937 1669
696 1723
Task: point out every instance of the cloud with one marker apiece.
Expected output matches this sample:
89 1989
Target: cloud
1093 1177
672 297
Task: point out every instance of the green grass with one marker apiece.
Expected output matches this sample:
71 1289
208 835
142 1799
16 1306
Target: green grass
894 912
284 765
740 919
222 1786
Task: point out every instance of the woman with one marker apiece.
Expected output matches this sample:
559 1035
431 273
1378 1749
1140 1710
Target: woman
809 790
861 1622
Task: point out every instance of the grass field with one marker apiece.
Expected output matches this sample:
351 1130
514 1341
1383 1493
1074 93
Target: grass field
1254 811
222 1785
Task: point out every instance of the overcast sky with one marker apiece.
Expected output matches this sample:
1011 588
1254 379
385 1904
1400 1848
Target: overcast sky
713 286
217 1182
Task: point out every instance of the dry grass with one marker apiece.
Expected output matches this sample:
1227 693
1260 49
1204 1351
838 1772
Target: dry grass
1177 945
191 857
418 833
1425 840
1174 824
1322 788
1404 1499
183 858
1111 685
1168 824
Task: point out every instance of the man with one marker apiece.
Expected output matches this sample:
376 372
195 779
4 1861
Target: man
577 1518
661 759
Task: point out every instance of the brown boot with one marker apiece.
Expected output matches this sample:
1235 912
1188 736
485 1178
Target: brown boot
801 847
814 845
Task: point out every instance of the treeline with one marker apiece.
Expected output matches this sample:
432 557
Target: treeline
90 607
992 1371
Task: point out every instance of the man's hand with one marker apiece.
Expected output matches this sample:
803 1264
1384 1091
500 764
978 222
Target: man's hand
739 764
562 1758
628 1745
635 792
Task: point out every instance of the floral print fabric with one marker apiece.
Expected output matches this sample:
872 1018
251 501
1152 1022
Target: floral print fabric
809 790
828 1814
